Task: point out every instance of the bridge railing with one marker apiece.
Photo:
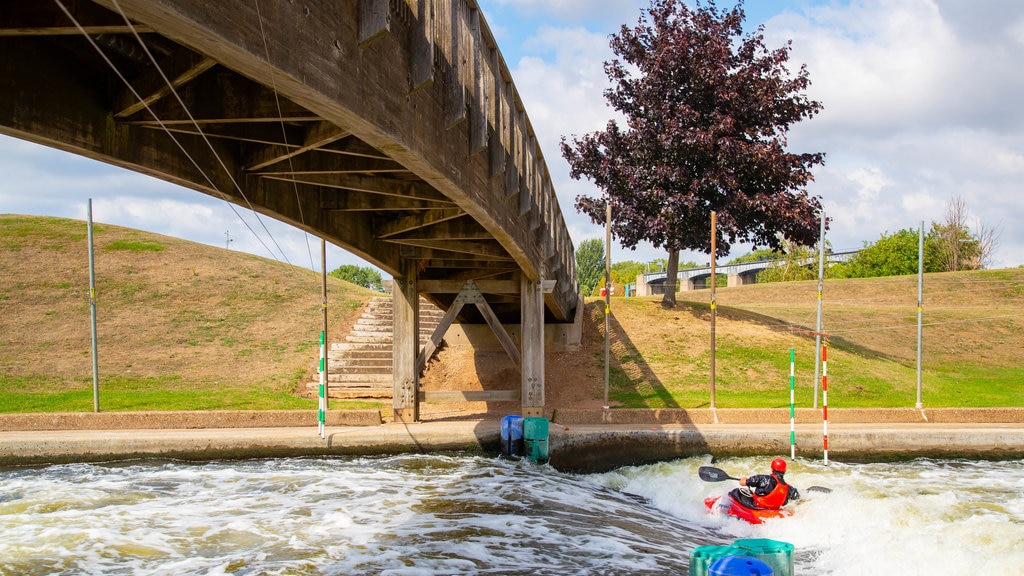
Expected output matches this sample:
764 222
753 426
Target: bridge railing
745 267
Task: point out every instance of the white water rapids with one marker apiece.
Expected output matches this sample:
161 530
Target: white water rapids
433 514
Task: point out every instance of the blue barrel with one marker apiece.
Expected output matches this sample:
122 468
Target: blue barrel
512 436
739 566
535 436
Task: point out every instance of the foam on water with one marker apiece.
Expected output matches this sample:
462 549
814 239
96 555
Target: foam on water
411 515
924 517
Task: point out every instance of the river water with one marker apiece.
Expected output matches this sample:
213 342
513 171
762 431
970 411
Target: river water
437 514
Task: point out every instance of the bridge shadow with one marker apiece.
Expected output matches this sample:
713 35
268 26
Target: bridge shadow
781 325
630 375
573 379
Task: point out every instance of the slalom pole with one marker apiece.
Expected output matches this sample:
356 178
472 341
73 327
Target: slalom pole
92 314
824 396
792 403
321 416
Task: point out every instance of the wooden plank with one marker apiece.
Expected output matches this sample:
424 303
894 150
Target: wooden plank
499 332
181 68
484 286
455 89
495 90
469 396
405 377
532 369
435 338
374 20
421 42
478 103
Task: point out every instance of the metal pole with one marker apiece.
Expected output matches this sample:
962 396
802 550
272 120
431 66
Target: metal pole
607 297
821 285
920 308
714 283
92 309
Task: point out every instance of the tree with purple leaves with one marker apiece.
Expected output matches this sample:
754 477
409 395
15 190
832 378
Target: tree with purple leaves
707 111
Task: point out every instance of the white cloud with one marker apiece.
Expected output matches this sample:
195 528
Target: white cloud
921 104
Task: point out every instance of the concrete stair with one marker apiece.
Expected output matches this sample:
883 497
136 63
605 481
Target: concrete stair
360 367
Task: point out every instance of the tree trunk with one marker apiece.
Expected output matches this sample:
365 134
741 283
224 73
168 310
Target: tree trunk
669 299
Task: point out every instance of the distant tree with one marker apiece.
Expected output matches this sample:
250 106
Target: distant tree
360 276
955 246
707 110
795 263
758 256
590 265
627 271
891 255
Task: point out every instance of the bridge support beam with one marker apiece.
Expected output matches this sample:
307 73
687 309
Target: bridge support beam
532 348
405 379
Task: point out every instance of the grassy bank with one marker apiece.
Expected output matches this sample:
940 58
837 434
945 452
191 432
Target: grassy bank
184 326
973 344
181 326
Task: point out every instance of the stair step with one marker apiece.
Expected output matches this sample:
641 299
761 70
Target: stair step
361 379
361 365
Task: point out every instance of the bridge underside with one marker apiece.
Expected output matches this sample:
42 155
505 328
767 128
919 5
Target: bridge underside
389 128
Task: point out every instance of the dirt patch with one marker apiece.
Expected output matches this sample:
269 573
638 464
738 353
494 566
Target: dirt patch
571 379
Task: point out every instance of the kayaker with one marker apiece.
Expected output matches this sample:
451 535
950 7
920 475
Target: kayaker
766 491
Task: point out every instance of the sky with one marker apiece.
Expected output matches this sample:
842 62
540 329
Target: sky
921 104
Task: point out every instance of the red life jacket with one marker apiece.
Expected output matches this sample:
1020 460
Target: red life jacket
774 499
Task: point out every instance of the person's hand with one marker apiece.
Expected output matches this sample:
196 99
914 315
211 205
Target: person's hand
743 481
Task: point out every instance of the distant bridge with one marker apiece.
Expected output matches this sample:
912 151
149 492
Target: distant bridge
739 274
391 128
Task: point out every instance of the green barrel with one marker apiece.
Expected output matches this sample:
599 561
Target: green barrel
778 555
535 439
702 557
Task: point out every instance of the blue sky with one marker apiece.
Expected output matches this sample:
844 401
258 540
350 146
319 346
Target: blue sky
921 105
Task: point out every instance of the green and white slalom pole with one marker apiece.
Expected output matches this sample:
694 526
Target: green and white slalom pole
321 413
792 403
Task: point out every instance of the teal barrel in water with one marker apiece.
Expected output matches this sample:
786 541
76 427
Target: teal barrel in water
777 555
702 557
535 434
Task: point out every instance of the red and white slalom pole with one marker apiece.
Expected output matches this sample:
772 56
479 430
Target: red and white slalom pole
824 396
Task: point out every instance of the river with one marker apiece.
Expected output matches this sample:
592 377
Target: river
458 514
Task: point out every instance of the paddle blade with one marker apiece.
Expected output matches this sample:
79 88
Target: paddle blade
712 474
821 489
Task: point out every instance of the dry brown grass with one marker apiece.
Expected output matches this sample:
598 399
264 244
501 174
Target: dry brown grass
165 307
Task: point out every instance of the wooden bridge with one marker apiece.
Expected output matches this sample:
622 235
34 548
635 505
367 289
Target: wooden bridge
391 128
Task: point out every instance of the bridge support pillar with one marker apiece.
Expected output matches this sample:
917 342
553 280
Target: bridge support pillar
532 349
406 344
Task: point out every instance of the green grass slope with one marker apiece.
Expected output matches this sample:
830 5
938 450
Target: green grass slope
973 344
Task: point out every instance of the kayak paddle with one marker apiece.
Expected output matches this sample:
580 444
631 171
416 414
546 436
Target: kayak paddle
712 474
